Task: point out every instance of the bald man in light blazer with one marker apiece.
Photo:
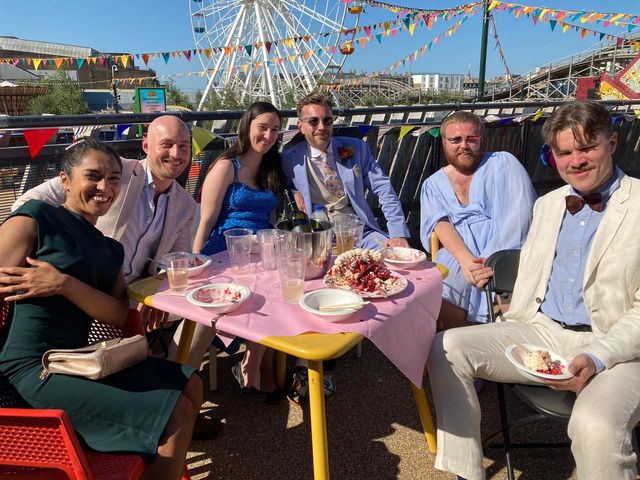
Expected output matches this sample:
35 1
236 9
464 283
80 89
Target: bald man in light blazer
577 294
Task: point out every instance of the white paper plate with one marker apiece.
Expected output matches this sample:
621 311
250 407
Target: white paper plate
515 354
208 296
197 258
399 258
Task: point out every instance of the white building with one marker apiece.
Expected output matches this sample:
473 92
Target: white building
435 82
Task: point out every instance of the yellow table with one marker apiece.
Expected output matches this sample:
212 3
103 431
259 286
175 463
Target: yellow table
313 347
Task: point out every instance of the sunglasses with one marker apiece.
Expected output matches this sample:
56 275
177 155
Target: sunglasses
458 140
315 121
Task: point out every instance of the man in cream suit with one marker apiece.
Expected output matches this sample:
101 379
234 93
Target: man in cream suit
335 171
577 294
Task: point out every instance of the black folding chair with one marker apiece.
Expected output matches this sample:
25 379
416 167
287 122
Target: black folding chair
546 402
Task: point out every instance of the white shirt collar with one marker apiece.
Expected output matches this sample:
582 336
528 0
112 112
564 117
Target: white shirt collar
315 153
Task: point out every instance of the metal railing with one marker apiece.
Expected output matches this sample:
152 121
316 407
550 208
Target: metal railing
408 160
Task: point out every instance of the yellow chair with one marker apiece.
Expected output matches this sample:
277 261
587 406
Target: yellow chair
435 245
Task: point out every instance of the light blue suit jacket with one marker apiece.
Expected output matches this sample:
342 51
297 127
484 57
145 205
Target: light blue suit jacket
358 173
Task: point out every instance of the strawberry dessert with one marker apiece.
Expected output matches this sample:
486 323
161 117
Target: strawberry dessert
362 271
540 361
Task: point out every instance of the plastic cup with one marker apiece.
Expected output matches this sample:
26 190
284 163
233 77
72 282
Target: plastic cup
177 270
267 241
345 237
239 247
291 264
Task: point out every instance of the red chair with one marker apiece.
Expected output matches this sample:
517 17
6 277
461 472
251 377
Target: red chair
39 443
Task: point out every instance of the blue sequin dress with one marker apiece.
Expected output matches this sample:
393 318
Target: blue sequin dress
242 207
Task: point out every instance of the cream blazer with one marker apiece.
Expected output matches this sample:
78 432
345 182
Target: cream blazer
611 283
176 233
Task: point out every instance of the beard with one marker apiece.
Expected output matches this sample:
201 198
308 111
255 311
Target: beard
465 165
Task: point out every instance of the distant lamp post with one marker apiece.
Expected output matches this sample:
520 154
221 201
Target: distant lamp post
116 96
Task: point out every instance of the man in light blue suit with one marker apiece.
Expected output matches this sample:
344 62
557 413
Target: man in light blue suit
336 172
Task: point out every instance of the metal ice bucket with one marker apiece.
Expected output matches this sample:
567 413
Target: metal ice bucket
316 245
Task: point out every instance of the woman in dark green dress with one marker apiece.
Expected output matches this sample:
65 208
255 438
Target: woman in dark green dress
62 272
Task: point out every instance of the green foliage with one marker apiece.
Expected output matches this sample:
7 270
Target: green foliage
175 96
64 98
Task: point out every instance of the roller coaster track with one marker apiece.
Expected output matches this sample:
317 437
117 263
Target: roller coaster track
354 91
559 80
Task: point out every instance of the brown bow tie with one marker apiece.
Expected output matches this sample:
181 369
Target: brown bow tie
575 202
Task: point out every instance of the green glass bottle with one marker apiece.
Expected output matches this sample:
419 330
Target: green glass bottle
297 219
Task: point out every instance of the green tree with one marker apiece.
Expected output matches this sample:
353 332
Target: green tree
64 98
175 96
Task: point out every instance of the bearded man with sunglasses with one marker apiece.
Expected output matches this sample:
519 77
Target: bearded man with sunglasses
336 171
478 204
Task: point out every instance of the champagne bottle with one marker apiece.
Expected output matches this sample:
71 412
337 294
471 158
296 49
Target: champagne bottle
297 219
318 215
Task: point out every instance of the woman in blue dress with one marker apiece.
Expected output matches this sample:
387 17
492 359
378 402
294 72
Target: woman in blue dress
241 190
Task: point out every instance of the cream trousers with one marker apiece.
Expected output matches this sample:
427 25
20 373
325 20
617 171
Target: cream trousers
603 418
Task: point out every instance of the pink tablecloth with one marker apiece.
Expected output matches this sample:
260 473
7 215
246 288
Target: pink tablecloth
402 326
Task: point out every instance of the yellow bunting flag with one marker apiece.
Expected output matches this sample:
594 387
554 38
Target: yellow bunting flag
404 131
200 139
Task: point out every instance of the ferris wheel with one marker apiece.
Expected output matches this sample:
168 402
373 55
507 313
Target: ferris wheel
270 49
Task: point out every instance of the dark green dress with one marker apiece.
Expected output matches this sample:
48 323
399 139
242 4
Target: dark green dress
126 411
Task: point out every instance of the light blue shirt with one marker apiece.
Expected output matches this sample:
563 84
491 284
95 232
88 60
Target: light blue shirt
497 217
564 300
144 230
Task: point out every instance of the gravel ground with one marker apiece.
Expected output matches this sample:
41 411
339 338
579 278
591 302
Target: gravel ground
373 431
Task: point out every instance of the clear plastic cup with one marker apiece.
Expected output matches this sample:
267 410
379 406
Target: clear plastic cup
267 241
239 247
177 270
291 270
346 235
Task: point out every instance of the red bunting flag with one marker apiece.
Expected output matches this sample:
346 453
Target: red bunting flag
37 138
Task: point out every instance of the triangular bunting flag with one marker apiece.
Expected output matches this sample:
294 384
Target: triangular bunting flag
37 138
200 138
145 58
404 131
122 129
166 57
363 130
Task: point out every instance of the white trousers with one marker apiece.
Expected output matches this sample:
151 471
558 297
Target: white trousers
603 418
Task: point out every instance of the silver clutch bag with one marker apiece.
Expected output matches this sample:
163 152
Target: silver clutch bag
98 360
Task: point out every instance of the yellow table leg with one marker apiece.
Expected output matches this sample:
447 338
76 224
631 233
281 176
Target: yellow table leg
318 421
182 355
281 369
425 417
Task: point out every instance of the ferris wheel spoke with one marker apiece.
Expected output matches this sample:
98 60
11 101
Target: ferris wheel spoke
281 67
308 78
313 37
313 15
266 71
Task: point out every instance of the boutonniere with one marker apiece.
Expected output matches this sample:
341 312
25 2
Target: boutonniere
345 154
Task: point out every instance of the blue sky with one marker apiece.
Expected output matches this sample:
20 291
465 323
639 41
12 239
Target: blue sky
164 25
